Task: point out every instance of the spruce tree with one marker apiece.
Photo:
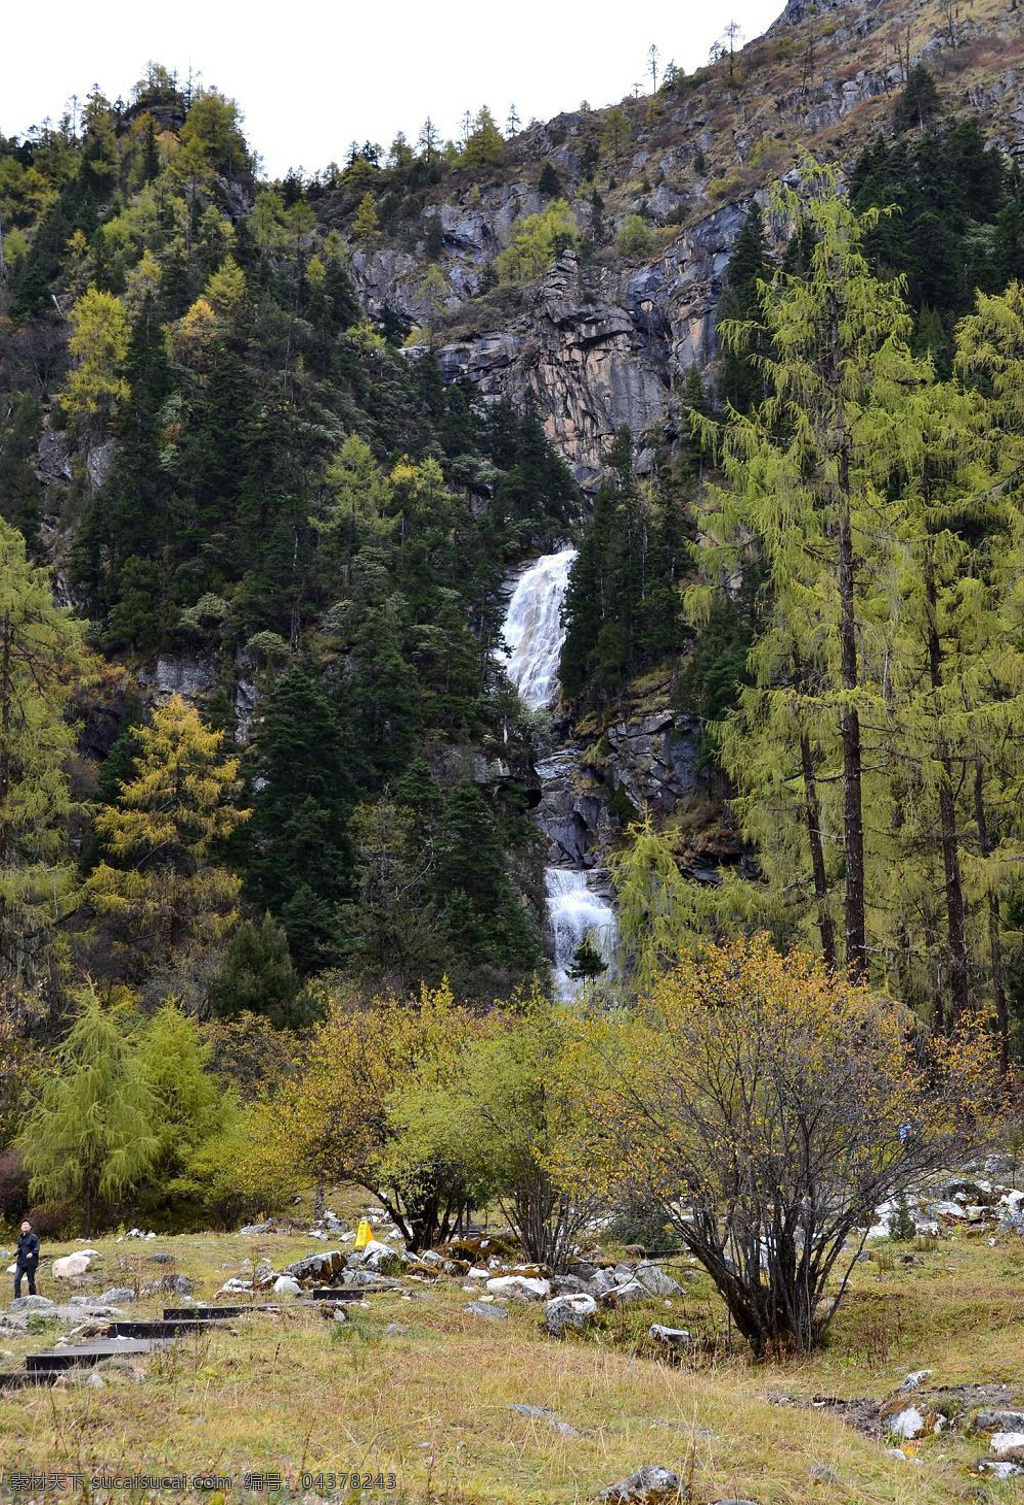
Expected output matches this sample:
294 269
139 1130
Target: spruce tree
296 854
739 381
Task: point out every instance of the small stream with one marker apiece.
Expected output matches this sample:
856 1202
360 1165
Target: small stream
533 632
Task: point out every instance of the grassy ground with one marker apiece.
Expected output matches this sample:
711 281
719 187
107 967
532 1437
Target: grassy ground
293 1393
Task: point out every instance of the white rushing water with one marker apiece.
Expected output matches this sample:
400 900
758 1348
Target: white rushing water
533 632
533 628
575 912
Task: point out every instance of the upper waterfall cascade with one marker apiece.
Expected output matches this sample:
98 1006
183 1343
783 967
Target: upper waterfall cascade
533 628
534 634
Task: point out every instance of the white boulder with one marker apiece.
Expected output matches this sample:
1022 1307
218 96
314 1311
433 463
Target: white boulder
569 1311
71 1265
519 1287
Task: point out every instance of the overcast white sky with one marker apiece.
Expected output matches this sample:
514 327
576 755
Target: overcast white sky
310 78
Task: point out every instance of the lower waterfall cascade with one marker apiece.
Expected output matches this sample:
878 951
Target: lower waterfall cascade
534 634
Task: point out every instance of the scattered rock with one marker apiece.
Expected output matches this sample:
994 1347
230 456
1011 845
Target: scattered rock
318 1269
999 1468
371 1255
915 1421
71 1265
602 1282
492 1311
574 1310
119 1295
540 1413
676 1338
31 1304
368 1281
822 1475
999 1421
656 1282
566 1285
161 1258
914 1379
395 1330
1007 1442
287 1285
652 1485
519 1287
622 1295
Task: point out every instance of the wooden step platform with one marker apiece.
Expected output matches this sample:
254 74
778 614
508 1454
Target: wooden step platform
162 1327
350 1293
66 1357
211 1313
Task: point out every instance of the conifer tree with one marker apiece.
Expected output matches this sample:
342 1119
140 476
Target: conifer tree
740 381
42 665
807 476
167 891
257 976
91 1135
190 1107
296 852
587 963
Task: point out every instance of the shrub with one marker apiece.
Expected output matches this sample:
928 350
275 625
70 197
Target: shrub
541 238
636 239
768 1107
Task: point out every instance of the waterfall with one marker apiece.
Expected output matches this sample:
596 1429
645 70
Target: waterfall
574 912
533 628
533 634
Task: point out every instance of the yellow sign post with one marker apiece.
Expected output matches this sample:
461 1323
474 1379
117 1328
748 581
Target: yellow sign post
363 1234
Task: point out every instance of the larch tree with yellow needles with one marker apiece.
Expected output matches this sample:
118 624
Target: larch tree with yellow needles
161 887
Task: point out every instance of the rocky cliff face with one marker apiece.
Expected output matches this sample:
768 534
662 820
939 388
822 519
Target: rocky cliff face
598 348
603 343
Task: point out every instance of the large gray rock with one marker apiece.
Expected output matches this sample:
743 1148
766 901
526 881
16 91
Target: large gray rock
318 1269
602 1282
656 1282
999 1421
622 1295
493 1311
652 1485
574 1310
577 351
70 1266
180 674
119 1295
31 1304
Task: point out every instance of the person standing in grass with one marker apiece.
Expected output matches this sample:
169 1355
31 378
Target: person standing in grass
28 1259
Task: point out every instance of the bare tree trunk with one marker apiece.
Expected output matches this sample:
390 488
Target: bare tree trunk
812 811
849 723
995 944
956 922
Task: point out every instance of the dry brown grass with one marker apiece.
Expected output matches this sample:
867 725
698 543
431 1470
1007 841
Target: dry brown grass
289 1393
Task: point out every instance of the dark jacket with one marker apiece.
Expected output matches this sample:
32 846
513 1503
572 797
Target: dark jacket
28 1249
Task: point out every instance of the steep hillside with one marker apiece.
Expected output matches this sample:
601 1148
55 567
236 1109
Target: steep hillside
607 336
282 445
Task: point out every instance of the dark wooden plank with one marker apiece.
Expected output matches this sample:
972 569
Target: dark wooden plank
91 1353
